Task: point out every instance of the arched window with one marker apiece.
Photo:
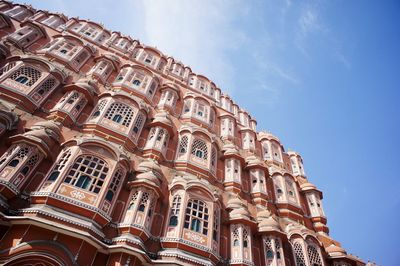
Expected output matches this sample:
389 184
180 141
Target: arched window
196 217
133 200
53 176
13 163
199 149
88 172
216 225
61 163
113 187
19 156
245 238
266 151
213 159
175 210
137 127
299 254
269 254
120 113
99 108
183 145
313 255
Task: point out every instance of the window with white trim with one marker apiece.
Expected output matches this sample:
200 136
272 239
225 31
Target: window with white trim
59 166
175 210
196 216
199 150
266 150
120 113
114 185
138 125
99 108
87 172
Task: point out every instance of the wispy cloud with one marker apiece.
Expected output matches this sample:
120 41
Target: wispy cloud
311 27
200 33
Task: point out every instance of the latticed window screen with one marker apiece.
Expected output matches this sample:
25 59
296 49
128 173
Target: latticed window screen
46 86
213 159
66 49
235 236
133 200
88 172
187 106
31 163
196 217
82 57
26 75
199 149
7 68
139 79
290 190
19 156
183 145
120 113
121 75
113 187
278 248
246 238
216 225
139 122
299 254
175 210
61 163
144 201
99 108
313 256
269 253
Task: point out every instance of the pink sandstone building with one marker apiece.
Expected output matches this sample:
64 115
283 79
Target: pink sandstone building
112 153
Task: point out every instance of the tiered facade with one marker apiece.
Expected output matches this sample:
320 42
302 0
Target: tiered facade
112 153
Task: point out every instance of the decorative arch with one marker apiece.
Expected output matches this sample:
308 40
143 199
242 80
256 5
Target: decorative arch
47 252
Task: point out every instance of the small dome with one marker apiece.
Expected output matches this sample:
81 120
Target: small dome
47 131
51 125
230 148
335 250
308 186
268 136
238 209
253 160
163 118
149 165
149 177
266 222
87 84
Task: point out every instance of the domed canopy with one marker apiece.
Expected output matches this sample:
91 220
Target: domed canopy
162 119
238 210
334 250
48 131
149 173
7 117
86 86
45 135
267 223
254 162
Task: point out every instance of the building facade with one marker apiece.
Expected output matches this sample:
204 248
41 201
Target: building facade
112 153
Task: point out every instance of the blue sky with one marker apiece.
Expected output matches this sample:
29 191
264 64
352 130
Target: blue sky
321 75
